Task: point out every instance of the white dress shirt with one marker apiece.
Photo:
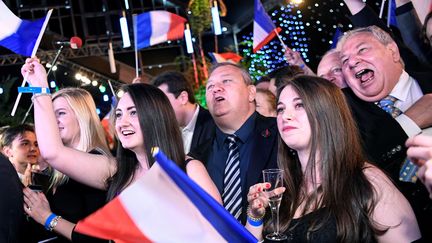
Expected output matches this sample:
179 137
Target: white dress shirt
188 130
407 91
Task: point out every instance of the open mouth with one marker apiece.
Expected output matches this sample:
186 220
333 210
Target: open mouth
219 98
365 75
127 132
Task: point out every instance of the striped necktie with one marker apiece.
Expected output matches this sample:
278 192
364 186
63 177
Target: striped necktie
231 196
408 172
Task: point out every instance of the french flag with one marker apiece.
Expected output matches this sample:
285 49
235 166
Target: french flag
158 26
225 57
263 28
164 205
20 36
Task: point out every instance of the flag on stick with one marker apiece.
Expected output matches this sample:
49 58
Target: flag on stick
158 26
263 28
164 205
18 35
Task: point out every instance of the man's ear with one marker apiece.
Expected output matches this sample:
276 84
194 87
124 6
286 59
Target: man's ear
7 151
252 93
395 51
183 97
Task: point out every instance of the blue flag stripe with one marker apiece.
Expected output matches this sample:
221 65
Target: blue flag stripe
144 30
217 216
262 19
24 39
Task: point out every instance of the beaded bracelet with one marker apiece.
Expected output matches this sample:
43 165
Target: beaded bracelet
54 222
38 95
254 221
49 220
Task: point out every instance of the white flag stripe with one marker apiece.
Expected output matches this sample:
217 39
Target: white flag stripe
173 215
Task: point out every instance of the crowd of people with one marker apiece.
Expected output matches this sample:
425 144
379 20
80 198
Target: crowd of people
354 142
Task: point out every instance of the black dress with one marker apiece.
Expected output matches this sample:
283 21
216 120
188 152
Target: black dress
298 230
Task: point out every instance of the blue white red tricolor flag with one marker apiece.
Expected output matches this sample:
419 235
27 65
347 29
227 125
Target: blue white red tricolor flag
263 28
225 57
158 26
18 35
164 206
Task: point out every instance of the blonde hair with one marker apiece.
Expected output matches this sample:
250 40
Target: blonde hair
92 135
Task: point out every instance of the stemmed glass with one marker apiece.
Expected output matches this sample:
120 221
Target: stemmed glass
275 178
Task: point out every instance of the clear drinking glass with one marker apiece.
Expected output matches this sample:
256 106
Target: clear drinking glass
275 178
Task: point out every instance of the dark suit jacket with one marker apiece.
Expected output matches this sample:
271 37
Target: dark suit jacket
11 203
204 128
263 157
393 148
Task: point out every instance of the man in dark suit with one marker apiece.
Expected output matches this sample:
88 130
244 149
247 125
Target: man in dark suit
374 70
11 204
230 96
195 122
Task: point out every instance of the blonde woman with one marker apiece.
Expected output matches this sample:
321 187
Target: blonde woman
79 128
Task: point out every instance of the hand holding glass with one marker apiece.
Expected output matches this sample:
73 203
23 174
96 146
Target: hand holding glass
275 178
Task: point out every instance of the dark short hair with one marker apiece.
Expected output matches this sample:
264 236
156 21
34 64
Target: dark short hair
10 133
176 83
286 72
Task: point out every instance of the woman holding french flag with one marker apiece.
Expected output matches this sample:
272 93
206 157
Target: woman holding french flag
143 119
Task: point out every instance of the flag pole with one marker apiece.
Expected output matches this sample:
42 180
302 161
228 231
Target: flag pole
382 9
389 10
35 48
284 46
136 47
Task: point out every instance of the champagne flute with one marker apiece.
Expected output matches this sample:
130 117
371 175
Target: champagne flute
275 178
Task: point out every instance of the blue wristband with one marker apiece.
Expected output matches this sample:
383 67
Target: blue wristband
34 90
255 223
48 221
302 66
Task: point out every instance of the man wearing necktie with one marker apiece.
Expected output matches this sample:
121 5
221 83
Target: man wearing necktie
374 70
244 142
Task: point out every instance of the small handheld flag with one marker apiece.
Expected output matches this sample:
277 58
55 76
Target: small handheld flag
263 28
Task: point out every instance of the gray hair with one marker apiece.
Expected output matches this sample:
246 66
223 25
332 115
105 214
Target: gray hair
245 74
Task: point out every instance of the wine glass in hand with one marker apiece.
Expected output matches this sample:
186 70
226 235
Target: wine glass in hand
275 178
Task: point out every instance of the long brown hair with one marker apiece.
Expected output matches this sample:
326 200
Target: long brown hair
159 127
344 192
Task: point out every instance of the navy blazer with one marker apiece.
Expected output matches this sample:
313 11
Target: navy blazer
263 157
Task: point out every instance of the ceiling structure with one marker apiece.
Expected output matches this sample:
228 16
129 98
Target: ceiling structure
96 22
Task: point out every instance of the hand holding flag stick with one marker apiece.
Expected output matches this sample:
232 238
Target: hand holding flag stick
33 54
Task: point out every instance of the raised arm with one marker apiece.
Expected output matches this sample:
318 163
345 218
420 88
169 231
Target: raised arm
89 169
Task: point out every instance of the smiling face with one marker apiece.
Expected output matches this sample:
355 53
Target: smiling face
127 125
330 68
230 100
67 122
23 150
371 68
292 120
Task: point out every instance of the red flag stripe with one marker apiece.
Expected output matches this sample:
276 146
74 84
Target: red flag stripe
112 223
176 27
